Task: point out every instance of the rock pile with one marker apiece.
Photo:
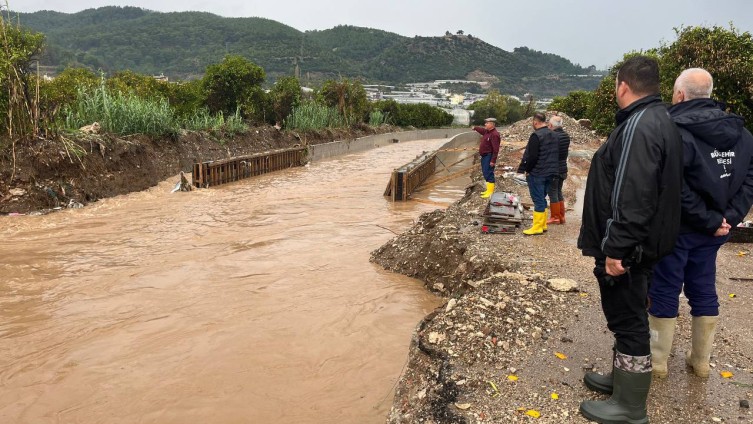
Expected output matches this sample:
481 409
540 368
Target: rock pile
521 130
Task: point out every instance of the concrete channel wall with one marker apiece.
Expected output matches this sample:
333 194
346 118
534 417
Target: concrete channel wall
338 148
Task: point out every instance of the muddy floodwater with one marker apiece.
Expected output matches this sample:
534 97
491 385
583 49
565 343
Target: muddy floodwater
252 302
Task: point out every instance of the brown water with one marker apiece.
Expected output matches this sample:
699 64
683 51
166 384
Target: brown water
247 303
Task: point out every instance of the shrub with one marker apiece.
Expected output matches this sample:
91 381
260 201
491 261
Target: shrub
377 118
230 83
119 113
285 95
421 116
314 116
348 97
575 104
726 53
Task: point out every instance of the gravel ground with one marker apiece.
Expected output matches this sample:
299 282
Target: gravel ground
503 320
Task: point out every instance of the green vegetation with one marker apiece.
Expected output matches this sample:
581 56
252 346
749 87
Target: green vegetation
229 83
182 45
377 118
726 53
122 114
412 115
314 116
504 109
348 97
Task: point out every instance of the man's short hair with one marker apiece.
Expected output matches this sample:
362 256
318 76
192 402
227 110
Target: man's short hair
555 121
696 83
539 116
641 74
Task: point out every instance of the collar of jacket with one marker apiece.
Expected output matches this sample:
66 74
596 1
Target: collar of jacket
694 105
624 114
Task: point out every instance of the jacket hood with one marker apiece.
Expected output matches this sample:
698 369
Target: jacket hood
707 120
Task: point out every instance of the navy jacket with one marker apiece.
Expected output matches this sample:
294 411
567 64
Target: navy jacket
541 156
718 153
564 149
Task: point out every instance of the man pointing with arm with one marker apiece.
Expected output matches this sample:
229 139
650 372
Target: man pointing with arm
489 150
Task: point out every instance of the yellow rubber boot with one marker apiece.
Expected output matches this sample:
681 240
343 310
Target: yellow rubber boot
539 220
545 227
489 190
703 329
662 333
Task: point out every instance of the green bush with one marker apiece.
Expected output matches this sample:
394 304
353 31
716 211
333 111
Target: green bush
574 105
119 113
203 120
285 95
726 53
314 116
503 108
421 116
230 83
348 97
377 118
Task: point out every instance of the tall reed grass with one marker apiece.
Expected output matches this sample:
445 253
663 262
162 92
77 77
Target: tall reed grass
377 118
122 114
314 116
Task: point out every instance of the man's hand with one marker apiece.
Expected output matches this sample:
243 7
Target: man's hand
614 267
491 164
724 229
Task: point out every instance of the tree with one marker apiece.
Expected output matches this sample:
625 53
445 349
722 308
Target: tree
228 84
460 32
18 105
349 97
285 95
574 104
447 33
726 53
493 106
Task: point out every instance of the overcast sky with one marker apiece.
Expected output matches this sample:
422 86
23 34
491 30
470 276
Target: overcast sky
588 32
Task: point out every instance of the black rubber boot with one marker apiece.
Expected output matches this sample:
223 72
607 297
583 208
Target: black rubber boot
627 404
602 383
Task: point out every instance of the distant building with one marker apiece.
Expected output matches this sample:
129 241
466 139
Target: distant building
161 78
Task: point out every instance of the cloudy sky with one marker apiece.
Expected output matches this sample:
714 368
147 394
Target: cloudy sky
585 31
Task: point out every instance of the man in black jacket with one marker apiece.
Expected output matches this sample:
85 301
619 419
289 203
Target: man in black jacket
556 198
540 166
716 196
630 222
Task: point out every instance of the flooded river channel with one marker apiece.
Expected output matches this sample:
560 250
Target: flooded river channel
252 302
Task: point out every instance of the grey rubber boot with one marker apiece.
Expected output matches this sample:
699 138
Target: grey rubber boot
627 404
703 338
662 333
601 383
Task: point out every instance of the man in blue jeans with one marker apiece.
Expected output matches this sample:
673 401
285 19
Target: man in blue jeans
540 164
489 150
716 196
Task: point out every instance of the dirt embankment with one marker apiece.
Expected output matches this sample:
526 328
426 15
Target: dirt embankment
78 170
508 346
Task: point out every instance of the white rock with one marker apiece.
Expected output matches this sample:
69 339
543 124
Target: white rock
435 337
17 192
451 304
563 284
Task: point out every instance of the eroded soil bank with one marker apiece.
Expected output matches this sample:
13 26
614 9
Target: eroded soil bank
80 170
490 353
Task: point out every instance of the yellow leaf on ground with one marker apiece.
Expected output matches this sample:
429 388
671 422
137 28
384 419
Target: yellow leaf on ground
463 406
583 294
533 413
732 295
559 355
512 377
555 396
726 374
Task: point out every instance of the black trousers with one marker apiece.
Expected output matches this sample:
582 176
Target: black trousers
624 301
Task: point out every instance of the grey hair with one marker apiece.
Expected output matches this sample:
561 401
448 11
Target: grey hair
693 86
556 121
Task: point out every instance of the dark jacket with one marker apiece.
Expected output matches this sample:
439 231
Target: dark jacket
489 142
632 199
718 154
564 149
541 155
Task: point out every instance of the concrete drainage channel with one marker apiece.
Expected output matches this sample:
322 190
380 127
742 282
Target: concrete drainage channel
212 173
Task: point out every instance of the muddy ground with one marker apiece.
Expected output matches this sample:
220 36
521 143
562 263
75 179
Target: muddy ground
78 169
490 355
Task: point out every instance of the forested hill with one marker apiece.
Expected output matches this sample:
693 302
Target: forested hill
182 44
